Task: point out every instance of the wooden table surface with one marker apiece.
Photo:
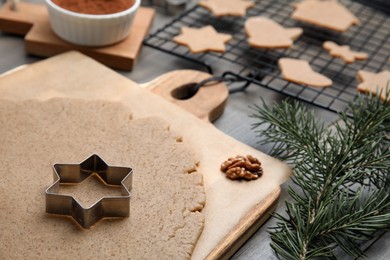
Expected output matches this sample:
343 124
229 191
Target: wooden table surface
235 122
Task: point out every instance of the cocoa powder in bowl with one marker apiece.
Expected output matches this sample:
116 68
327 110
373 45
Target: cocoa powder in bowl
95 6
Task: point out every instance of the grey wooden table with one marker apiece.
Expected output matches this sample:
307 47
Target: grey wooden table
235 122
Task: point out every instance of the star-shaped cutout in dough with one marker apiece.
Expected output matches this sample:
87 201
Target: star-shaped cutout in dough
227 7
344 52
202 39
109 206
375 83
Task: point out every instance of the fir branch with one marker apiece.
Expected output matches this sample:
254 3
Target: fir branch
342 173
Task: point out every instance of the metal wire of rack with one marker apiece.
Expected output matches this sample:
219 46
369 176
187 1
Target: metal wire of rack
260 67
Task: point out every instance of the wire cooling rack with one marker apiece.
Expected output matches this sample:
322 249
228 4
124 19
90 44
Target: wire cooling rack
259 66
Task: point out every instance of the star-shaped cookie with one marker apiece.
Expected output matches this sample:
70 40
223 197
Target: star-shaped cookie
374 83
344 52
202 39
266 33
227 7
300 71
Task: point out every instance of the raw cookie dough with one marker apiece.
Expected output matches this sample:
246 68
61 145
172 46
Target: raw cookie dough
299 71
202 39
329 14
344 52
227 7
75 75
167 195
374 83
266 33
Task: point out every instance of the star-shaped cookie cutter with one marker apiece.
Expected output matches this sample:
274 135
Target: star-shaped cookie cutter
109 206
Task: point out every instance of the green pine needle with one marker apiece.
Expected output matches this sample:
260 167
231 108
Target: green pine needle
342 174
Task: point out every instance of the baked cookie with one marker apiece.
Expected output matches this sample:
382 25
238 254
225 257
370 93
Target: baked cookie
202 39
329 14
266 33
374 83
344 52
227 7
299 71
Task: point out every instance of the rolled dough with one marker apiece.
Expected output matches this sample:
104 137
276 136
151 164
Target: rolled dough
167 196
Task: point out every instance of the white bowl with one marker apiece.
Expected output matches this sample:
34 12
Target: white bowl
91 29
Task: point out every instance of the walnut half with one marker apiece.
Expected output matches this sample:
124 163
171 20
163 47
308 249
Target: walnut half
241 167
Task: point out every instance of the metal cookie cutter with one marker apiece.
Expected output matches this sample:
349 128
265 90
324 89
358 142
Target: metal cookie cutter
110 206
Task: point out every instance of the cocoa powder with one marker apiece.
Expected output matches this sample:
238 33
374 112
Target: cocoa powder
94 6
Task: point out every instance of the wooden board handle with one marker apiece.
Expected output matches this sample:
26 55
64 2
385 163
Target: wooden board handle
177 86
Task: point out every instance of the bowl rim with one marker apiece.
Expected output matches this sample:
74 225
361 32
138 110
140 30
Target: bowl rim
132 9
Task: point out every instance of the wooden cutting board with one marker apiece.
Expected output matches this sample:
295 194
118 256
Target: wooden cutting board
234 210
32 20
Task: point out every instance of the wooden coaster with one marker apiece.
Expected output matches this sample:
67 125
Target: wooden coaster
32 21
